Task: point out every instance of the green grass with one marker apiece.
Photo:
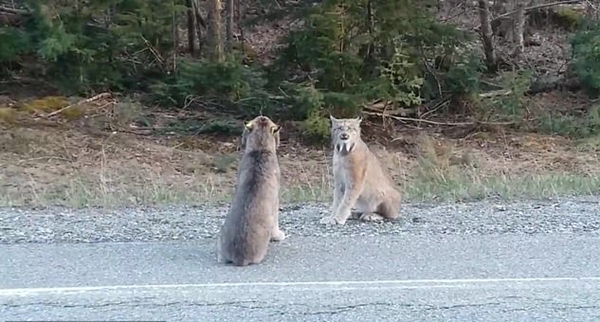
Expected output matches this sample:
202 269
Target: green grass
469 186
466 185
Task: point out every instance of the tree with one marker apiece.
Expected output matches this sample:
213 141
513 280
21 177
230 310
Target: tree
230 22
215 27
487 33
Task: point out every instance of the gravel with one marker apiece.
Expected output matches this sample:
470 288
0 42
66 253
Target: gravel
63 225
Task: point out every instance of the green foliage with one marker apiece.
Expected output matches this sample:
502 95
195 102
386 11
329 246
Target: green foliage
464 78
230 81
317 126
14 43
569 18
308 103
347 54
510 103
402 79
592 126
81 54
566 125
306 98
202 78
585 46
514 103
353 57
570 125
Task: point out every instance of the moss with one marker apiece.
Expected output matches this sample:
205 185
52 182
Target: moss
7 115
250 54
568 18
46 104
73 113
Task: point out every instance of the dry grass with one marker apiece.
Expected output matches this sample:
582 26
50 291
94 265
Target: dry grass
49 166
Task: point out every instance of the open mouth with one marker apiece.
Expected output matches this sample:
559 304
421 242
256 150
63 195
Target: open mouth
344 147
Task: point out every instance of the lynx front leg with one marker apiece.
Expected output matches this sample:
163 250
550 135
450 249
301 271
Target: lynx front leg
338 194
219 248
344 210
277 234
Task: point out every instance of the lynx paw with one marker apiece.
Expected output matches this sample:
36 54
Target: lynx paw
331 221
278 236
355 215
219 257
371 216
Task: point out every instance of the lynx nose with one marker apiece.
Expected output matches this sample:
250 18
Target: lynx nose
344 136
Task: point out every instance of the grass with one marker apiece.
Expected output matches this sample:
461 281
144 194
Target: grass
444 174
82 191
470 186
466 186
458 185
43 167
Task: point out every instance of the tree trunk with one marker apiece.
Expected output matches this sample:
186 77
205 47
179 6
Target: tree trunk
230 22
214 33
519 28
200 23
191 28
487 34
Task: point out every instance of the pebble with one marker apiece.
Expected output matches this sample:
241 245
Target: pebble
62 225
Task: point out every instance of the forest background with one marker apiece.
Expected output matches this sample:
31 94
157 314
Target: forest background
124 102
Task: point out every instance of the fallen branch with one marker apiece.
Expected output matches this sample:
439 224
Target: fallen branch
382 106
87 100
14 11
539 6
500 92
441 103
410 119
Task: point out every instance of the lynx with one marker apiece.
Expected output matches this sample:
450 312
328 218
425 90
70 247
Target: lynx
253 218
358 178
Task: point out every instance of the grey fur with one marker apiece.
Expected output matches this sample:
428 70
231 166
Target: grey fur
253 218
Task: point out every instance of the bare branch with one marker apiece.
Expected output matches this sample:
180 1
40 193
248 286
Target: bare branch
540 6
14 11
410 119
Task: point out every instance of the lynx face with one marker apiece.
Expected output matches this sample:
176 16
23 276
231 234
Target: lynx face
345 133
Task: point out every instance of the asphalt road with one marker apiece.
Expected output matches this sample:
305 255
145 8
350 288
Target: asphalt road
491 277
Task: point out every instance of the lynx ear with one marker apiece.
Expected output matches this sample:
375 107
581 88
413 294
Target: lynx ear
359 119
275 128
248 125
333 119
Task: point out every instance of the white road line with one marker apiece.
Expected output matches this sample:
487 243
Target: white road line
399 284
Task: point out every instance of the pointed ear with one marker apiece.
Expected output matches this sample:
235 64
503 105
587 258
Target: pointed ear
275 128
333 119
248 125
359 119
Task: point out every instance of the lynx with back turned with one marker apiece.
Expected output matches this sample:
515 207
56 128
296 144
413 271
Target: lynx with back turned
253 218
358 178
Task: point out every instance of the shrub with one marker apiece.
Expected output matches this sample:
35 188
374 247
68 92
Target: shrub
352 57
93 47
229 82
463 78
585 47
